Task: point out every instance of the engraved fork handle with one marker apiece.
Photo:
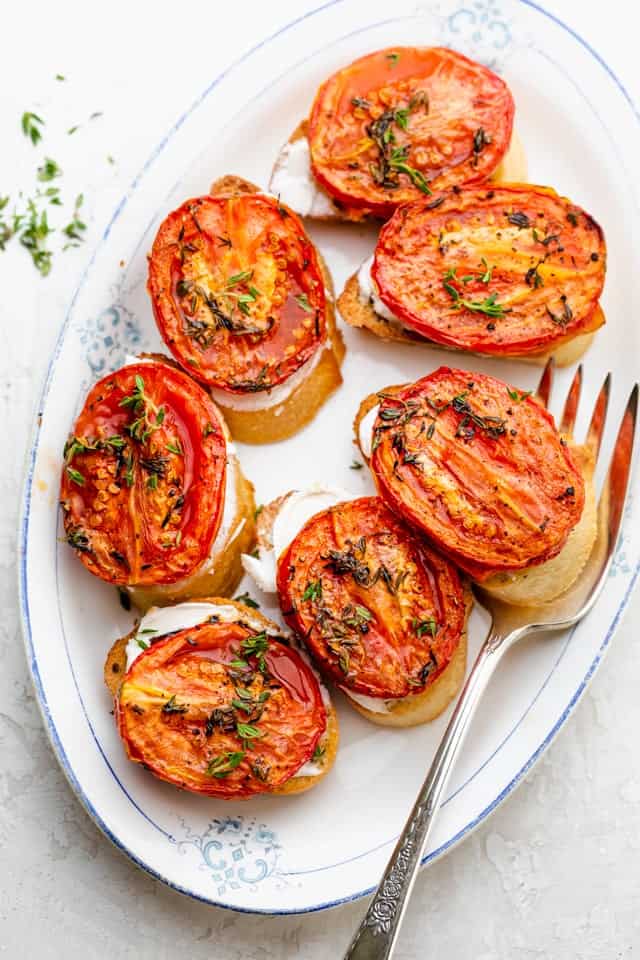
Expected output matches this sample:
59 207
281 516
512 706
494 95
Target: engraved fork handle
376 936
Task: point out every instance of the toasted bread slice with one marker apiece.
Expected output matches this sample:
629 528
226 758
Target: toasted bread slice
544 581
359 312
115 669
406 711
318 205
272 423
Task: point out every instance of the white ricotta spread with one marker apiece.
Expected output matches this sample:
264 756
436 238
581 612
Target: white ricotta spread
159 621
292 516
369 291
310 768
264 399
293 182
374 704
230 507
365 431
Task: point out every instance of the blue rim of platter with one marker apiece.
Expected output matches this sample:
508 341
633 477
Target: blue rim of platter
26 502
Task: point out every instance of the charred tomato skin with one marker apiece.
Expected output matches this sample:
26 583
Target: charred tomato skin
177 713
380 612
540 257
143 480
237 291
429 108
480 468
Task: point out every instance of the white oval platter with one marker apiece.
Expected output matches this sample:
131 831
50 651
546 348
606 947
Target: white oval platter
287 855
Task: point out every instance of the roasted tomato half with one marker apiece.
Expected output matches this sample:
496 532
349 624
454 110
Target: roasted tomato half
398 123
480 468
507 270
237 291
143 479
380 611
220 709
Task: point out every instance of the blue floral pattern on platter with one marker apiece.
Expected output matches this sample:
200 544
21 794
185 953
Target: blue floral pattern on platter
481 29
109 337
238 852
621 565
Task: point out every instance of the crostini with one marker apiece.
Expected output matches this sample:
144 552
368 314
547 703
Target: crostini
381 614
153 496
508 271
214 698
479 467
245 304
395 126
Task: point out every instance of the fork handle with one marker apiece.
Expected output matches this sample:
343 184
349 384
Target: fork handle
376 936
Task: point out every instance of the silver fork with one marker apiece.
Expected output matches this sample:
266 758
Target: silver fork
376 936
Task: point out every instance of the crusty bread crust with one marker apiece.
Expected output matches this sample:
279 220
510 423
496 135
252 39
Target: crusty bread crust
115 668
284 419
544 581
512 169
426 706
360 313
230 186
221 574
266 520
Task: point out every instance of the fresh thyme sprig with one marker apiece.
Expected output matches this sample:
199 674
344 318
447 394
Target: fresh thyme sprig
138 401
398 161
489 306
75 229
393 159
33 231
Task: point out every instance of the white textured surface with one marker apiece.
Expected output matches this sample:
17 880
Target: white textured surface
554 874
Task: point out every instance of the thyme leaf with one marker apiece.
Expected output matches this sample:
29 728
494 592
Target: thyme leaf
247 601
75 476
302 301
222 765
313 591
48 171
31 124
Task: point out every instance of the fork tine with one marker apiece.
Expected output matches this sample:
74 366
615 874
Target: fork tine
546 381
614 491
598 418
571 403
